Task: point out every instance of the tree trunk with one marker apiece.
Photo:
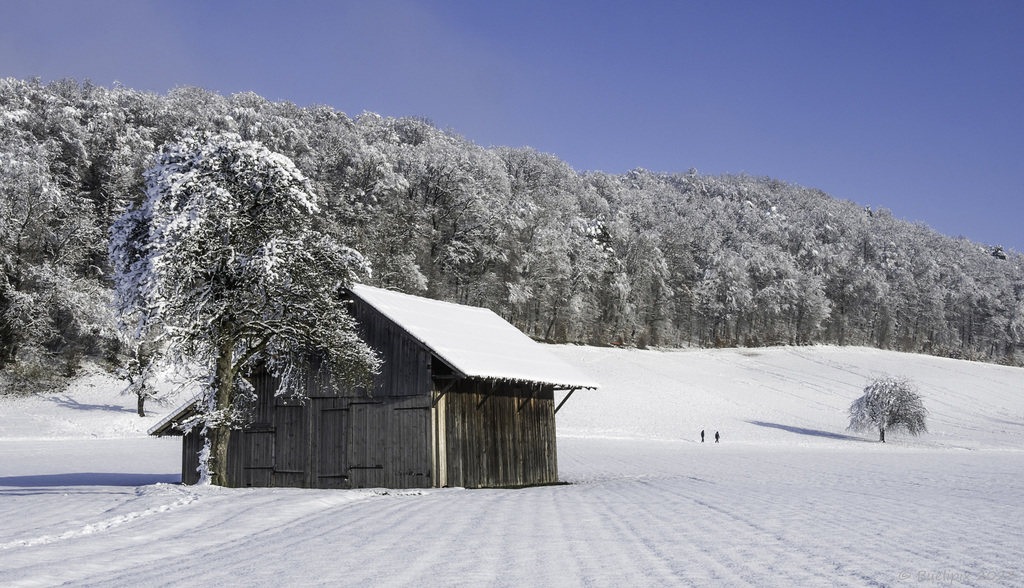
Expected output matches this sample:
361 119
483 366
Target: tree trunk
881 434
8 338
142 405
220 433
219 437
551 323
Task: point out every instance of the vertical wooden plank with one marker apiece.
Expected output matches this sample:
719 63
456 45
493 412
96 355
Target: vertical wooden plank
439 444
407 458
332 448
547 407
259 458
455 427
366 445
191 445
291 444
495 443
266 387
236 459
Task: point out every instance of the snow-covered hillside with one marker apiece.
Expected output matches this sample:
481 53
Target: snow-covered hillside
786 396
788 498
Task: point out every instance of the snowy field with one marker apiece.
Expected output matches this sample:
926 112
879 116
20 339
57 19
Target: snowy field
788 498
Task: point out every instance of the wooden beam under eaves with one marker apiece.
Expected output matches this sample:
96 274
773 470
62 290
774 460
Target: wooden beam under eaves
533 392
444 391
571 390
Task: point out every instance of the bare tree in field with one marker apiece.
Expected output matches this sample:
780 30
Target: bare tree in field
889 403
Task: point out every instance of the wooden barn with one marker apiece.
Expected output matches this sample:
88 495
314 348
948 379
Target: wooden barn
463 399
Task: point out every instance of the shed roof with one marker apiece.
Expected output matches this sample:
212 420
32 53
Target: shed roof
474 341
169 424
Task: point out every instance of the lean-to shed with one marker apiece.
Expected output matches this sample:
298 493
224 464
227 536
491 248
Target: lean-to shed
463 399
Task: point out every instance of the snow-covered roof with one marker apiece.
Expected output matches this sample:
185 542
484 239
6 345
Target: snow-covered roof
474 341
167 425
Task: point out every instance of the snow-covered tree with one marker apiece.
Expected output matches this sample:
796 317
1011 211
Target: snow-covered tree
47 310
889 403
566 255
138 369
224 265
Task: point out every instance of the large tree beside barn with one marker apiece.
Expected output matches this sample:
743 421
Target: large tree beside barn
223 264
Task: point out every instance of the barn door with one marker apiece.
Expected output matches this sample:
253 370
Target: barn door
259 460
366 445
332 448
408 450
291 444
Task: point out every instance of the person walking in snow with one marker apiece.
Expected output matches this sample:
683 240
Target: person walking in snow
702 435
716 436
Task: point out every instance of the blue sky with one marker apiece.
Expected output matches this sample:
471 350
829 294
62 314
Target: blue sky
911 106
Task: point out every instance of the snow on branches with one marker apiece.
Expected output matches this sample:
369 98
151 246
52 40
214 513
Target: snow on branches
225 265
889 403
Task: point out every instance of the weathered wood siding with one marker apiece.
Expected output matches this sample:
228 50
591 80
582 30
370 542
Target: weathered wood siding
499 435
331 464
343 437
407 449
191 445
405 370
390 444
291 449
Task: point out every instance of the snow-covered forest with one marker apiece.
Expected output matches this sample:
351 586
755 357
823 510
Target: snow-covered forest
636 259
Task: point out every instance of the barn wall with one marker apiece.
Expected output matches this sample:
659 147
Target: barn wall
405 370
390 444
498 435
329 443
344 437
191 445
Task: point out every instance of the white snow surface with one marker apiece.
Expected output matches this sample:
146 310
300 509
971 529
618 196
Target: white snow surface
475 341
788 498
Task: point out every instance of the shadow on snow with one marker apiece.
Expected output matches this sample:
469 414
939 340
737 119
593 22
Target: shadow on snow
1005 422
805 431
89 479
68 402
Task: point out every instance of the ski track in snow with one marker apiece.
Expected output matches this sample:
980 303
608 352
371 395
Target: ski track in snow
635 512
187 497
787 499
